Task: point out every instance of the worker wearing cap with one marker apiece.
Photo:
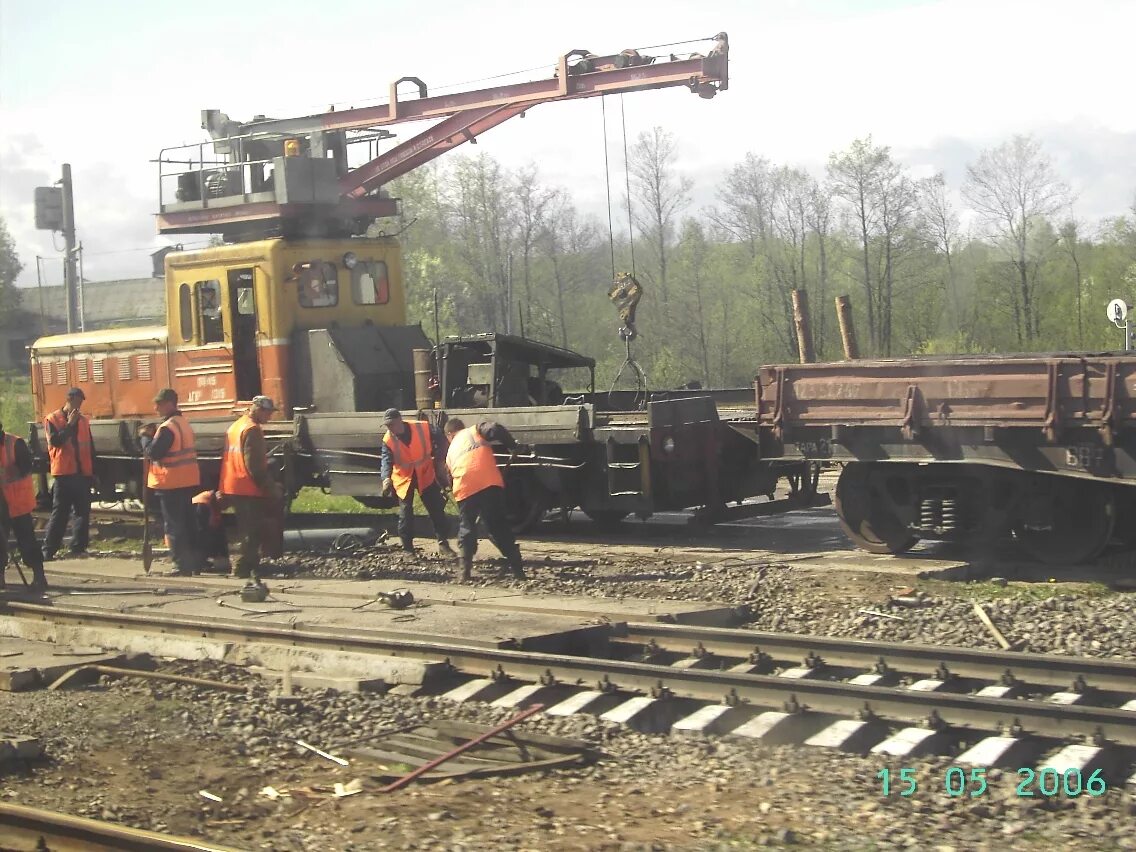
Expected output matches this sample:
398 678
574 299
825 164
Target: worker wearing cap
174 478
479 489
17 500
71 453
246 482
413 451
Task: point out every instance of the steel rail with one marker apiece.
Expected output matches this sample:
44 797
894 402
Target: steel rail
32 828
1060 721
981 664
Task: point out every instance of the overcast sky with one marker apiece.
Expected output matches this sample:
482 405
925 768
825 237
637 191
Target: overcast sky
106 85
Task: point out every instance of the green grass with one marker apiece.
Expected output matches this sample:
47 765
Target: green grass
314 500
16 408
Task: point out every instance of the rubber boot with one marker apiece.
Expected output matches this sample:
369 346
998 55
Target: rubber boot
465 570
516 565
39 580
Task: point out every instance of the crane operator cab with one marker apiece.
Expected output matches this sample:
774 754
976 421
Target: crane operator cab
315 324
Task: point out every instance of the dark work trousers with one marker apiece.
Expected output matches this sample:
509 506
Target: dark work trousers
69 494
435 505
23 528
250 513
180 527
210 538
489 505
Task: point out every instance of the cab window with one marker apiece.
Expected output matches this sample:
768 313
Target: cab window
209 305
370 284
185 312
318 285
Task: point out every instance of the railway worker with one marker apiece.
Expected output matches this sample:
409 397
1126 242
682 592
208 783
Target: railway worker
71 453
247 484
207 506
174 478
412 453
17 500
479 489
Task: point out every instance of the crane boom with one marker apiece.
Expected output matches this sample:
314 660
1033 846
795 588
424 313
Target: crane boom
293 175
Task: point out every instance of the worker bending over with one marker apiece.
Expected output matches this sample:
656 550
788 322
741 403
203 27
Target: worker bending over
479 490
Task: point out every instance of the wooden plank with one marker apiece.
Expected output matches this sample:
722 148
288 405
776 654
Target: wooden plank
994 631
451 727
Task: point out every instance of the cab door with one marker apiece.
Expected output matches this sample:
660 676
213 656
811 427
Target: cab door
245 327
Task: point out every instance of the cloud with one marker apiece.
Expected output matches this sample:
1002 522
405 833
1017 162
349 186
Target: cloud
109 216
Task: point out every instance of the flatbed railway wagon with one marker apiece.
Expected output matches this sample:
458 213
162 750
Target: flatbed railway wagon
1040 448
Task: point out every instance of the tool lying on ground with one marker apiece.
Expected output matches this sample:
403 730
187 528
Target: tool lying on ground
254 592
398 599
352 541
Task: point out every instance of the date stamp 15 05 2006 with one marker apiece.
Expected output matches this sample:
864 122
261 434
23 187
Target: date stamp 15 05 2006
974 782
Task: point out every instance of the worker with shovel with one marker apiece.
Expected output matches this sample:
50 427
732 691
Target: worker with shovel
17 500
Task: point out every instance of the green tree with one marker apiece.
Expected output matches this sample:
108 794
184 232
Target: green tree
10 268
1014 188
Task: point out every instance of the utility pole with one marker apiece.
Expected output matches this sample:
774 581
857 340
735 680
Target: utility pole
509 295
39 286
70 271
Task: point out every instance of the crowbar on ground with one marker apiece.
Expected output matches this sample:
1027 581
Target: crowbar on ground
882 614
330 757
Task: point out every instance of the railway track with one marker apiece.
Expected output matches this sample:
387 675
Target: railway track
893 699
35 830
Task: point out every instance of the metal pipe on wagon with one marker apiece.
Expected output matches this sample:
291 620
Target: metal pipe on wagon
804 329
423 398
847 329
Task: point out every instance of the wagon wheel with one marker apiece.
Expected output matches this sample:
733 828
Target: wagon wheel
866 509
607 520
526 500
1074 524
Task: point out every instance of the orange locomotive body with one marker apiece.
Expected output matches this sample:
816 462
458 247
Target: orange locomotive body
316 324
233 313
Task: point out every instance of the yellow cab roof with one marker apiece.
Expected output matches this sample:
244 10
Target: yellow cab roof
106 338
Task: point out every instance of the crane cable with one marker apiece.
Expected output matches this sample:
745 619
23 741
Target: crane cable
640 398
607 183
627 180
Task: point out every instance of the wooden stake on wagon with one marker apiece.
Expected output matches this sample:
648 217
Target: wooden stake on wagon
847 329
804 328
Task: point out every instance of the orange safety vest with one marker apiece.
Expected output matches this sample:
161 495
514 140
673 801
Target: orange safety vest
472 464
63 459
235 476
19 493
206 498
409 460
178 467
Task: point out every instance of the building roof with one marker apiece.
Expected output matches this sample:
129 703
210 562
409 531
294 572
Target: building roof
133 301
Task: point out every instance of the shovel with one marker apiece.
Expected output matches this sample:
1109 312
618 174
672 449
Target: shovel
147 545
